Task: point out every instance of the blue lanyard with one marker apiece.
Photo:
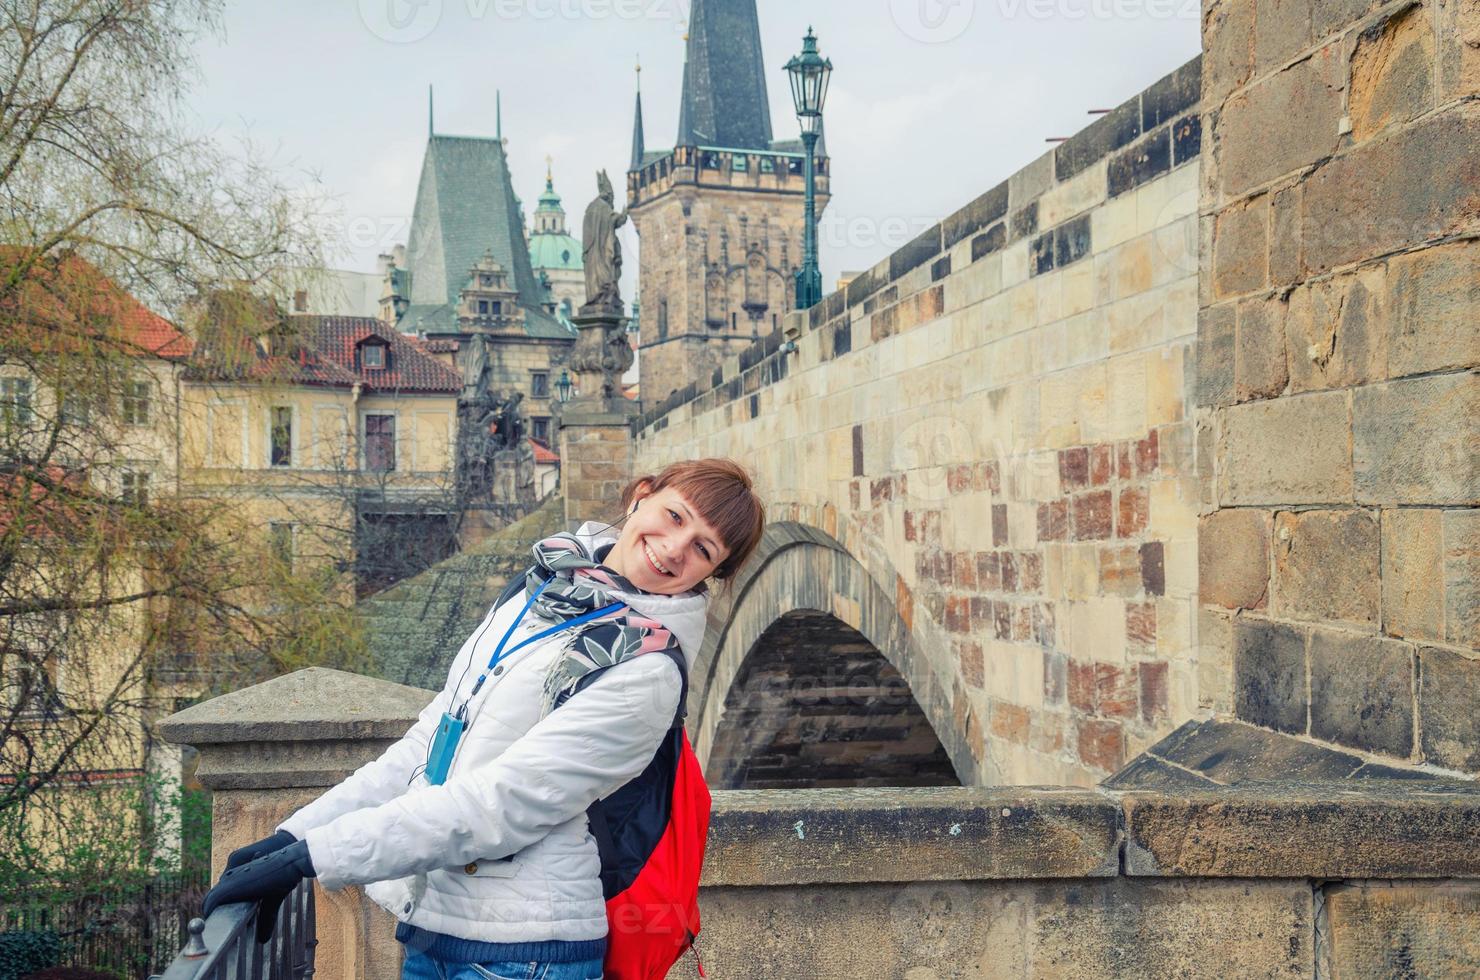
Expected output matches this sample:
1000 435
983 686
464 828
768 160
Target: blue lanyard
499 652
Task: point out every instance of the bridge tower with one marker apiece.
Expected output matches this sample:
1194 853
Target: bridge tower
720 213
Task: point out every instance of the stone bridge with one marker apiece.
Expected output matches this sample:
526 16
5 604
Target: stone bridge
1151 474
1176 422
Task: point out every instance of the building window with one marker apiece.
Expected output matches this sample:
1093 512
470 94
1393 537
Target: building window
380 443
740 163
280 542
15 401
300 301
483 307
794 165
136 403
768 165
282 436
734 321
709 160
662 318
73 409
539 384
32 685
372 356
134 485
540 429
498 308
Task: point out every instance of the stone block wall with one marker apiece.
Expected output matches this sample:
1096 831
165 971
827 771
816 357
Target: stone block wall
1360 876
715 272
512 364
994 422
1337 396
943 884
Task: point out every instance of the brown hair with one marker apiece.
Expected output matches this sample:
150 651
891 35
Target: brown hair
724 494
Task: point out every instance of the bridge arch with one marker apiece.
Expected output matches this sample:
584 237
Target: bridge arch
807 639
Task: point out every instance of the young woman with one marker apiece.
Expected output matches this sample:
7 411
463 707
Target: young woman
489 867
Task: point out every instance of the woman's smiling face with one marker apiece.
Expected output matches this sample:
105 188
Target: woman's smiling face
665 546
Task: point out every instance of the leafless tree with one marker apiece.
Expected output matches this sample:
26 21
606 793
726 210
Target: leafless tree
107 573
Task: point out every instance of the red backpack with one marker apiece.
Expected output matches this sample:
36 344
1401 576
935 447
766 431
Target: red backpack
650 833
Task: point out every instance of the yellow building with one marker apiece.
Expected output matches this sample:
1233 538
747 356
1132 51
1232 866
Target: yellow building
319 458
338 437
89 422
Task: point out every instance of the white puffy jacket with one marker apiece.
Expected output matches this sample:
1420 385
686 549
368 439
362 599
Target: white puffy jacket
501 851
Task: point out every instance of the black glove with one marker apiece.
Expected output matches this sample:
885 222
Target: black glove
266 845
266 880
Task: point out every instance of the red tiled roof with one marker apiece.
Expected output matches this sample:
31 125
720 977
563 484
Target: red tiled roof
542 453
411 368
26 494
66 298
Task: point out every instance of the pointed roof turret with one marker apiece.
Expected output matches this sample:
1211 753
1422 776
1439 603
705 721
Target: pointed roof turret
637 136
465 208
724 84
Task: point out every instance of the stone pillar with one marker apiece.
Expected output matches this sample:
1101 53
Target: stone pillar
596 425
1337 382
269 749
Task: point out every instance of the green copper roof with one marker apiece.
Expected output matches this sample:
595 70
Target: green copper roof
555 252
466 206
549 200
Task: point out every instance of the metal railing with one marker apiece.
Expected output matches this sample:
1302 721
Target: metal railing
225 947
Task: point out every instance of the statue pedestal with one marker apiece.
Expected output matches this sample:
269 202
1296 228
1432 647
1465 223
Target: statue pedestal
596 425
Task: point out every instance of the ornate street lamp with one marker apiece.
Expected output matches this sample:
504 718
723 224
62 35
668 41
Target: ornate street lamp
810 73
563 386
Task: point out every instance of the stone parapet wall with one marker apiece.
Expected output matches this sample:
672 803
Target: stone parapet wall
993 423
1198 868
931 884
1337 396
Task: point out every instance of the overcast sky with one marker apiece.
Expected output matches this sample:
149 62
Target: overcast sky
932 101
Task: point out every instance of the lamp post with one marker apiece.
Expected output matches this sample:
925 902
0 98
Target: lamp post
562 387
810 73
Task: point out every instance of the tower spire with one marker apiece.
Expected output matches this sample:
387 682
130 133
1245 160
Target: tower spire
724 85
431 114
638 144
498 115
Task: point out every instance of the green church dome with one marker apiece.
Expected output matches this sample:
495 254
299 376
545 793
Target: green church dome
550 251
549 246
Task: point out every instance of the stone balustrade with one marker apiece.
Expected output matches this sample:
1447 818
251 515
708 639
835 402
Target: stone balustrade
1176 874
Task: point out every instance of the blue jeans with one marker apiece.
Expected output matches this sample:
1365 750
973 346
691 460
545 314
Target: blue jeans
420 966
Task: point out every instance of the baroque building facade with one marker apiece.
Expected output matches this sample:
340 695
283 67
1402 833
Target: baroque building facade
466 272
720 214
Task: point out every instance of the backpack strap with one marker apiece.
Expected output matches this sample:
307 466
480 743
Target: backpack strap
515 586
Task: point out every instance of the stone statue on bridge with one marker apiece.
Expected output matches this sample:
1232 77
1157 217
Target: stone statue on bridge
601 252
